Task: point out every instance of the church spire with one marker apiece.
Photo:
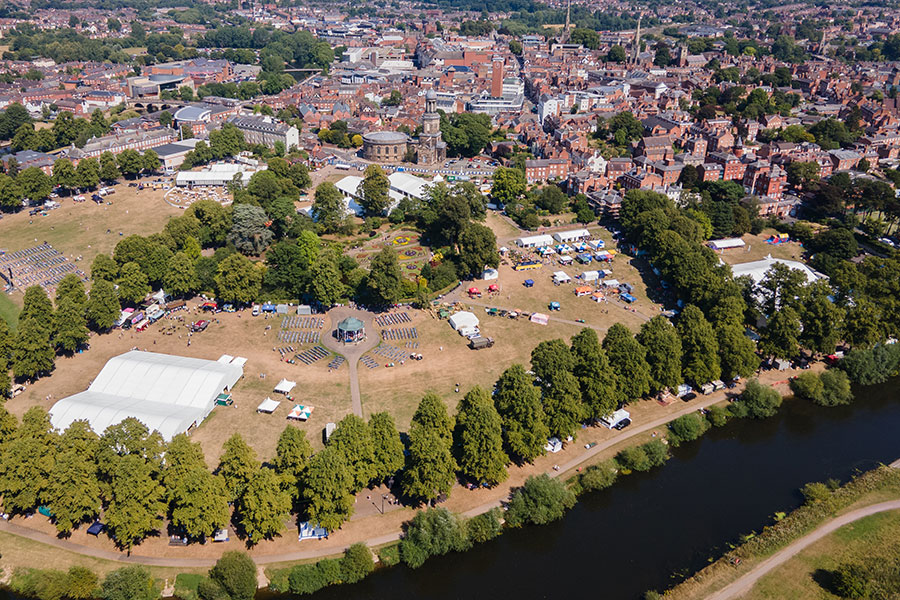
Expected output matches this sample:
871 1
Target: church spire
637 42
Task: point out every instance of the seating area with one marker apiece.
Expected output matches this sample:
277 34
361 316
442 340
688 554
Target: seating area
40 265
401 333
299 337
312 355
393 319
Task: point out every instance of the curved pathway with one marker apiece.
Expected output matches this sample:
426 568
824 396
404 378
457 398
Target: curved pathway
352 352
746 582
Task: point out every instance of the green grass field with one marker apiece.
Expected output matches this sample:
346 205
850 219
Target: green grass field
9 312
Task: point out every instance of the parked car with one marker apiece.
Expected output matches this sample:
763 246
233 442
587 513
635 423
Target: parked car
622 424
689 396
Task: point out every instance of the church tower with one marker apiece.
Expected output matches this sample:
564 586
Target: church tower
431 148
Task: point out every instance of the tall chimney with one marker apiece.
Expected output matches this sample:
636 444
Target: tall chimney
497 77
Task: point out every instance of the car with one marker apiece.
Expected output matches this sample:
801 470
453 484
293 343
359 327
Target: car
622 424
689 396
256 310
199 326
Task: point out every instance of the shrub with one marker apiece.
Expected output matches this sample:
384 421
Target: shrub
849 581
305 579
816 492
717 415
657 452
82 583
761 401
541 500
484 527
598 477
872 365
208 589
809 387
330 570
235 572
836 386
738 410
129 583
633 459
687 428
432 532
389 555
357 563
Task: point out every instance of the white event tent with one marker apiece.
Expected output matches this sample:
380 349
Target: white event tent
169 394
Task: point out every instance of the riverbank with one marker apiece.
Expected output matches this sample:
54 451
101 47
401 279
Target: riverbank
736 571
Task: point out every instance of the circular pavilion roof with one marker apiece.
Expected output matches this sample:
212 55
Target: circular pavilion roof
351 324
385 137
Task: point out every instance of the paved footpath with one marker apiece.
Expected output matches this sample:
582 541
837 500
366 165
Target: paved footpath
746 582
352 352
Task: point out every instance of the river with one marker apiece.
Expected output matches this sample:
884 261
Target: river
651 530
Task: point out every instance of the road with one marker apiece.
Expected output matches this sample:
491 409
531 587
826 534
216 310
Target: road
746 582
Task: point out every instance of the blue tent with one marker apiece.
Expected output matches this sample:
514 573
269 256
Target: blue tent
96 528
554 306
627 298
268 307
529 282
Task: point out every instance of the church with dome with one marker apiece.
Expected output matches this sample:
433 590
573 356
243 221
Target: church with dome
392 146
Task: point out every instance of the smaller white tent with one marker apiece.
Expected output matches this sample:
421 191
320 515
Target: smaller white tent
572 235
540 318
225 359
268 406
591 275
611 282
726 244
489 274
284 386
561 277
535 241
463 320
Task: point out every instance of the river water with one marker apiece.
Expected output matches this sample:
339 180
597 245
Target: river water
651 530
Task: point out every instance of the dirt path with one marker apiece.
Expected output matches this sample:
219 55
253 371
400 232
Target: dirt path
746 582
460 295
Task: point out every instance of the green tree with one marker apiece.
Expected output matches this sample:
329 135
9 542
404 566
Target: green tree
72 332
235 572
837 388
701 349
150 161
356 563
687 428
181 278
263 506
430 467
384 278
328 484
291 456
26 463
780 336
136 503
540 501
328 208
737 352
104 267
563 406
479 439
761 401
64 174
550 359
373 191
36 306
432 532
508 185
477 249
103 307
199 503
387 447
35 184
33 353
664 356
237 465
129 583
250 233
616 54
353 439
109 167
11 193
518 403
130 162
627 357
325 281
809 387
238 280
87 174
132 283
822 319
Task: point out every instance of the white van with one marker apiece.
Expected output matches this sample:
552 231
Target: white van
611 421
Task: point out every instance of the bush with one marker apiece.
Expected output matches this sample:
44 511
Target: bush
849 581
598 477
305 579
657 452
873 365
129 583
235 572
330 570
717 415
836 386
389 555
809 387
816 492
432 532
738 410
186 585
357 563
484 527
687 428
540 501
761 401
207 589
633 459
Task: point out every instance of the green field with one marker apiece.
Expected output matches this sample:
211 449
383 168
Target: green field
9 312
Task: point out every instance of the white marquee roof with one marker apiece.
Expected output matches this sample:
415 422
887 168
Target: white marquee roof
167 393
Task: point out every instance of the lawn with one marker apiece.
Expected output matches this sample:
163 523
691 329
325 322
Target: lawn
9 310
873 540
758 249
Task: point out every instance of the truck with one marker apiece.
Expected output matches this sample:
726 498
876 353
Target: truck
477 343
